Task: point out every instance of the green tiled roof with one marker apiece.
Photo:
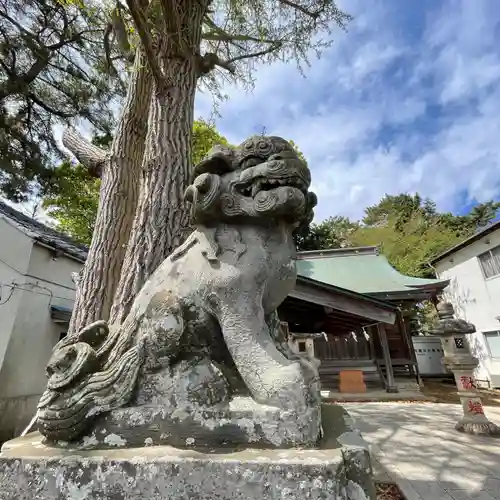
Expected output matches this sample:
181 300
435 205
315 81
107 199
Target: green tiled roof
364 270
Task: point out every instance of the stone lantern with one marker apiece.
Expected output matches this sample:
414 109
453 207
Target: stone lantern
459 360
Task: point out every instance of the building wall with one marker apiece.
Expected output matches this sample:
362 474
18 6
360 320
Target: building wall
46 282
14 261
475 299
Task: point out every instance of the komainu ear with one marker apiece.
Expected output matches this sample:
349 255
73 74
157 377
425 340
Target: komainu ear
219 161
200 186
203 193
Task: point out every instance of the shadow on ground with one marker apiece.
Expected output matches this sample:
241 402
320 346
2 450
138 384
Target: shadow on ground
416 445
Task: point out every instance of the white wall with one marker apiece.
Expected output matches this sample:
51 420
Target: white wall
15 251
475 299
46 282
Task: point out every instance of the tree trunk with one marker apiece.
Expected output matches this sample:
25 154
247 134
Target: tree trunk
162 218
117 203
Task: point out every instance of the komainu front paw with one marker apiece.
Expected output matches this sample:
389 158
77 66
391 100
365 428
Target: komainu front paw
290 386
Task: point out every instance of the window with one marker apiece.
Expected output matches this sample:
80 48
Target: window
493 341
490 262
302 347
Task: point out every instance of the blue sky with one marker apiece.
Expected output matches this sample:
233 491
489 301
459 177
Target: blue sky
407 100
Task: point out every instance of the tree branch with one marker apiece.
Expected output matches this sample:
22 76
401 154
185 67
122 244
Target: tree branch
14 60
222 36
270 49
25 34
36 68
85 152
18 84
71 64
208 61
219 34
48 108
9 71
59 89
145 36
120 31
107 49
66 41
314 14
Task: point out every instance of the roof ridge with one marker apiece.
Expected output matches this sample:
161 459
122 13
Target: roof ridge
480 233
43 233
340 252
365 270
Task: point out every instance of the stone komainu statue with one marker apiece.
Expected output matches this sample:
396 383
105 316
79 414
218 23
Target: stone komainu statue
201 349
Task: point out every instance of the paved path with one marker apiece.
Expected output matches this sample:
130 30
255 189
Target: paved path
416 446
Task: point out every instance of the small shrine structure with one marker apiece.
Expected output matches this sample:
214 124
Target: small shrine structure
356 299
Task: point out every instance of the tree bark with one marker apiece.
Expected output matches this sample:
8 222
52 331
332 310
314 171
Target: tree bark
93 157
162 218
117 203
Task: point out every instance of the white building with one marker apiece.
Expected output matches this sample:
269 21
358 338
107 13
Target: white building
473 268
36 299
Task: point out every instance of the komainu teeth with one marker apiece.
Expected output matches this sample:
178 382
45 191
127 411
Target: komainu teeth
261 184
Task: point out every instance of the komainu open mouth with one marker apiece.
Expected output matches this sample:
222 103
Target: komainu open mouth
254 186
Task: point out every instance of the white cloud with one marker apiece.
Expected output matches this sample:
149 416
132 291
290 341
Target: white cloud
390 107
407 100
367 63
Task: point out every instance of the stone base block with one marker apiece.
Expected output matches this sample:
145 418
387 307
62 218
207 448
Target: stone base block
339 470
478 428
242 422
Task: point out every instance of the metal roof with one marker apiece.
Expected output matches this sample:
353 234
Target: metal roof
44 234
364 270
468 241
346 292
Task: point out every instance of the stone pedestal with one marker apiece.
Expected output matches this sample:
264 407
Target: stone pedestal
241 423
459 360
340 469
474 420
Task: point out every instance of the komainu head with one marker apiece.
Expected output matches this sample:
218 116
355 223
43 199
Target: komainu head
262 178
